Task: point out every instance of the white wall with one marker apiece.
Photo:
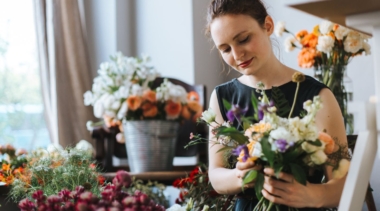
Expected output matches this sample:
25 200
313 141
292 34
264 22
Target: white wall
163 30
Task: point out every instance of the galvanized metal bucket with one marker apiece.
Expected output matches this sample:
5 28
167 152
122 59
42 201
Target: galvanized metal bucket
150 144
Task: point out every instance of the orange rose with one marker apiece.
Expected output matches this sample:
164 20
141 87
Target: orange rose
329 142
172 109
310 40
306 57
301 34
193 96
134 102
194 106
149 110
149 95
185 113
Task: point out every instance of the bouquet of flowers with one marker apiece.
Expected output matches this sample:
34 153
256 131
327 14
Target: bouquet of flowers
55 170
292 145
13 164
328 44
124 89
328 48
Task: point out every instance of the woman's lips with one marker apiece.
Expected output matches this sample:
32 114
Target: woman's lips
246 63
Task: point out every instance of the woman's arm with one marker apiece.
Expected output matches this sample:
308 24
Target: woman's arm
223 180
292 193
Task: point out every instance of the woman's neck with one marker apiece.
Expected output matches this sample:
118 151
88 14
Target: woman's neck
273 74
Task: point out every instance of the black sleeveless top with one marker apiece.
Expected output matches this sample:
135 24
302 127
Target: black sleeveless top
240 94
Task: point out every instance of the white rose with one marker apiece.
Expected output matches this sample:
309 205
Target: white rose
110 113
177 93
297 127
87 98
353 42
282 133
325 44
289 43
325 27
208 116
318 157
256 151
122 111
84 146
89 125
279 28
341 32
98 109
342 170
309 148
136 90
367 48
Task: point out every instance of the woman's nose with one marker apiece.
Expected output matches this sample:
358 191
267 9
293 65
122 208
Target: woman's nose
238 54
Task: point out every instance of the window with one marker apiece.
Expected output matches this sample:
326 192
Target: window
22 121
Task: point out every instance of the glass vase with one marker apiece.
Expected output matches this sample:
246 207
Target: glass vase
335 77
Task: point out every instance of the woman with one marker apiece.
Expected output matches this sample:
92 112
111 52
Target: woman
240 30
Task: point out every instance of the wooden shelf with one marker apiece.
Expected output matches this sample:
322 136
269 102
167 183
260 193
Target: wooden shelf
336 10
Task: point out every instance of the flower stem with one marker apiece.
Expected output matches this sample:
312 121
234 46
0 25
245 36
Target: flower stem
294 100
270 206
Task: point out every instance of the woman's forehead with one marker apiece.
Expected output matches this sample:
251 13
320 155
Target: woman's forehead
228 26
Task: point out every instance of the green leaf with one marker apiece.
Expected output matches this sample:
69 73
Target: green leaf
249 176
277 169
235 134
224 149
281 103
226 104
246 125
254 102
290 156
259 185
267 150
298 173
317 143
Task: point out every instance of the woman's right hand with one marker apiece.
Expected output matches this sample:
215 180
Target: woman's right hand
242 168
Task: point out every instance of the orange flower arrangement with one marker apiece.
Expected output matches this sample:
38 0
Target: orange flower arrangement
124 90
13 165
167 102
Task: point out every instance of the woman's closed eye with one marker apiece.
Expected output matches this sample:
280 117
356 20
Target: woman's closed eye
226 50
244 40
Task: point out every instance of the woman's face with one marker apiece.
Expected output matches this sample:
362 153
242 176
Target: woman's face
242 42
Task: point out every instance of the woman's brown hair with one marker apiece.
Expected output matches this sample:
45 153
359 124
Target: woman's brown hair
253 8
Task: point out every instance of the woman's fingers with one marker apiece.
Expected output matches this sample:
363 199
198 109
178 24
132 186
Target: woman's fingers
245 165
282 176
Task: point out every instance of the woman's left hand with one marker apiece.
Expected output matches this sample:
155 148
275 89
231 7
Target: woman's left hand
286 190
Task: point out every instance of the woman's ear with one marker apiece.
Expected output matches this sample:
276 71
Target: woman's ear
269 25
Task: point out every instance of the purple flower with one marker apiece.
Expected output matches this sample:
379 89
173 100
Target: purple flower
26 205
282 145
264 107
236 113
237 151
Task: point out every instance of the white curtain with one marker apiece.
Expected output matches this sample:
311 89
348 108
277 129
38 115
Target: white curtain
65 70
